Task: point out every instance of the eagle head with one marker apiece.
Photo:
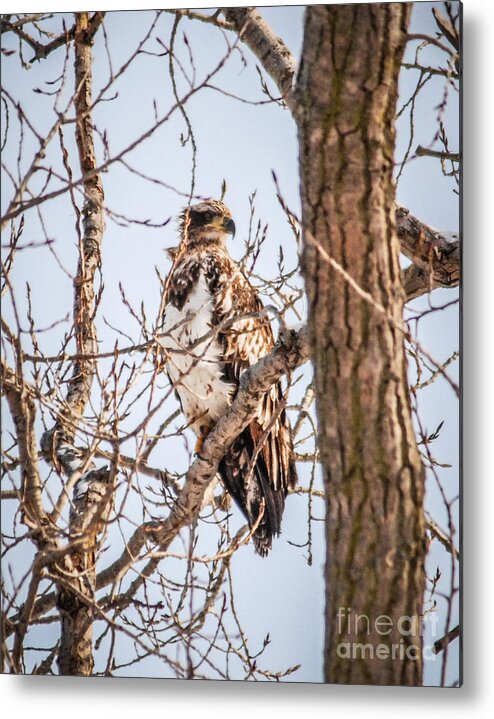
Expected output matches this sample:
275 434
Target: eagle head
208 221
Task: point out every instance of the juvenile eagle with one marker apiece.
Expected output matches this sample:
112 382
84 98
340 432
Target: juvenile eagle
204 290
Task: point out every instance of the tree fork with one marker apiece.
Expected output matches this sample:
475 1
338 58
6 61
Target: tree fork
374 479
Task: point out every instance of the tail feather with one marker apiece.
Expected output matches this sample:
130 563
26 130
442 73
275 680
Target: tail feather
253 490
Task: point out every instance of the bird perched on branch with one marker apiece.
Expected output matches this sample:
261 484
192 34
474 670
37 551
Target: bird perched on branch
207 352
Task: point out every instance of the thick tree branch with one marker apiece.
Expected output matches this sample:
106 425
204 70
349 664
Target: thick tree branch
54 443
436 260
417 282
270 50
23 414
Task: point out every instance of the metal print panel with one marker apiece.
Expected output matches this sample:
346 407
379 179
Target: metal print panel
230 343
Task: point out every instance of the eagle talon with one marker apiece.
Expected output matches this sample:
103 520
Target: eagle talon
204 430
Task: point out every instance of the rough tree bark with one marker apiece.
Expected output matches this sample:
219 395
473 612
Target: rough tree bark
374 480
436 260
92 495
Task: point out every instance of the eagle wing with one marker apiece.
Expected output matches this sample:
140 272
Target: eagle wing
259 468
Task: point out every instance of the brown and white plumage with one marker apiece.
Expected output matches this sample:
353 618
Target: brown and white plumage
206 355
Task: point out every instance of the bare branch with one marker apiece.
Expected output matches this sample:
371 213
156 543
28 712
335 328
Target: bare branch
429 70
442 643
432 41
209 19
270 50
41 51
292 351
439 154
442 537
447 28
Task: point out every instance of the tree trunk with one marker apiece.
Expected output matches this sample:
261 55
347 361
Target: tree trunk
76 599
92 493
374 480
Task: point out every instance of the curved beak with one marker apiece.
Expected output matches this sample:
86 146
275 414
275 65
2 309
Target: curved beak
229 226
